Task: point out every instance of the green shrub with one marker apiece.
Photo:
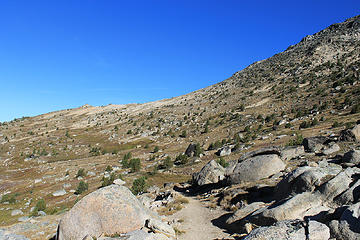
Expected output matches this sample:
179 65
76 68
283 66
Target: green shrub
139 185
135 164
183 134
40 205
81 173
156 149
198 150
296 141
106 181
355 109
222 162
108 168
82 187
181 159
336 124
10 198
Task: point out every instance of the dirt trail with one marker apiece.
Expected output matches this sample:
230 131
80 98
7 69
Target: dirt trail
198 222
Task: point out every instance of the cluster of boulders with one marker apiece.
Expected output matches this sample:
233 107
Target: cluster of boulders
112 212
315 190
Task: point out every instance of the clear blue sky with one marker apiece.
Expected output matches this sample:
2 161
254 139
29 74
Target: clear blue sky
63 54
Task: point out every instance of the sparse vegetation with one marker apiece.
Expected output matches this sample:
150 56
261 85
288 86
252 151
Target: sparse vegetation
139 185
82 187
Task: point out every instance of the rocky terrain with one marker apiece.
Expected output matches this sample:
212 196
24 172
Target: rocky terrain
270 153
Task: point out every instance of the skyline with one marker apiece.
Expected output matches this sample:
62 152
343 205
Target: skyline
63 55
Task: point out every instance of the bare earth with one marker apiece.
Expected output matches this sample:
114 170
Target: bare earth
197 221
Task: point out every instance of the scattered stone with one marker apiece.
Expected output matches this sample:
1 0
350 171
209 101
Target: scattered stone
225 151
119 182
58 193
16 212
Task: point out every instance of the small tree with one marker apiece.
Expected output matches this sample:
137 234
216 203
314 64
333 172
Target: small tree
168 163
183 134
222 162
82 187
108 168
81 173
139 185
135 164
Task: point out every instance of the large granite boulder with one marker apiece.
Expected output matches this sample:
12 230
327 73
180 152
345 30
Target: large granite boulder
109 210
294 230
306 179
212 172
296 207
255 168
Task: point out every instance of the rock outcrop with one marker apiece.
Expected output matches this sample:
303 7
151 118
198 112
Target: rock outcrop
109 210
255 168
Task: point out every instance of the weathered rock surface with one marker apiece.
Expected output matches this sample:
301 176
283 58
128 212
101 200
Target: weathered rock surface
294 230
245 211
306 179
292 152
212 172
255 168
109 210
4 235
293 208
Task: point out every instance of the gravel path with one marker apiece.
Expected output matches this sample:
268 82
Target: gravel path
198 222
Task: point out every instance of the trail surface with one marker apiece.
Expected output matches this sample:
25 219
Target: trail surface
198 221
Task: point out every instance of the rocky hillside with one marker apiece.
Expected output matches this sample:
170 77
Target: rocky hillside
50 162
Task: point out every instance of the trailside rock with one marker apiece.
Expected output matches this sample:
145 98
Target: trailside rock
306 179
294 230
212 172
109 210
255 168
293 208
243 212
158 226
352 156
